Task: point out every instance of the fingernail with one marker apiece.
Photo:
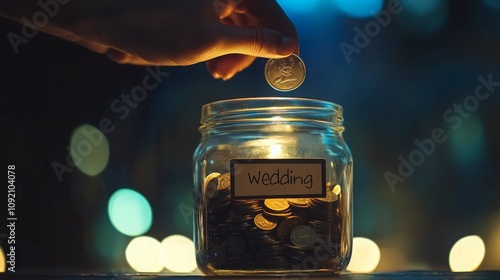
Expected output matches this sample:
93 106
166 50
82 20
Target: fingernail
286 46
228 76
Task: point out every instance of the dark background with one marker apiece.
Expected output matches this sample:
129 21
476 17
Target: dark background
394 91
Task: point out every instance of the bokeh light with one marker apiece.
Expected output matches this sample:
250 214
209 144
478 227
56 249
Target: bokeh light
467 142
108 244
492 256
183 215
89 149
299 6
493 4
424 16
360 8
420 7
130 212
2 260
467 254
179 253
145 254
365 255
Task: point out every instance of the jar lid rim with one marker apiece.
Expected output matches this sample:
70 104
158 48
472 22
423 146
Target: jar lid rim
253 103
269 98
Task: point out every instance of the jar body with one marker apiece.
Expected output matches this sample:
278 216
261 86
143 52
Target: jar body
273 188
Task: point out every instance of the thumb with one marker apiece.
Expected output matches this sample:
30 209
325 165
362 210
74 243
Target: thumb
257 41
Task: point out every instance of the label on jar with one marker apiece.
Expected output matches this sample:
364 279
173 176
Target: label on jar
263 178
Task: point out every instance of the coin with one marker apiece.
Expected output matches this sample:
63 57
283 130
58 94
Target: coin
210 177
285 74
277 214
286 226
330 197
263 223
276 204
336 190
210 184
299 202
303 236
224 181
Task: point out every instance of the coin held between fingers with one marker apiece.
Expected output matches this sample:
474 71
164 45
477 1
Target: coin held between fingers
285 74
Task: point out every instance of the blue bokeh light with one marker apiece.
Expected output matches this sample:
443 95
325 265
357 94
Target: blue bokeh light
299 6
467 143
360 8
493 4
424 17
421 7
130 212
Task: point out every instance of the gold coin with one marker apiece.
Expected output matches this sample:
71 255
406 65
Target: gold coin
300 202
330 197
264 224
209 178
285 74
303 236
277 214
286 226
224 181
211 182
276 204
337 189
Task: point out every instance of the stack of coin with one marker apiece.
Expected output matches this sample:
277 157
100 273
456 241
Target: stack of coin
219 199
325 213
266 247
269 233
277 208
325 219
286 226
300 207
301 243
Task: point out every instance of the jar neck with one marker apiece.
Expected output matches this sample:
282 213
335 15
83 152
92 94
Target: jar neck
273 115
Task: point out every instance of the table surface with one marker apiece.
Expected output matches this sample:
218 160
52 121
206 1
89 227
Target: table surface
404 275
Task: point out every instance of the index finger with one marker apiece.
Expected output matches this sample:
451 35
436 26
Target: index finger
268 13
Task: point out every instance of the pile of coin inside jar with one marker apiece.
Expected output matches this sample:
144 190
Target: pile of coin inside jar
270 233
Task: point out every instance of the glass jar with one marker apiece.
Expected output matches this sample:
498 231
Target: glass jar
273 188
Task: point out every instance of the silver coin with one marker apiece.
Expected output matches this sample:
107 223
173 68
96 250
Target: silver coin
303 236
285 74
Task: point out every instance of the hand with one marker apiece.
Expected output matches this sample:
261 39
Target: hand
228 34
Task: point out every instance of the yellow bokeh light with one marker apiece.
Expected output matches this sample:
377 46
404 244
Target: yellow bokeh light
365 255
145 254
467 254
2 260
89 149
180 254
